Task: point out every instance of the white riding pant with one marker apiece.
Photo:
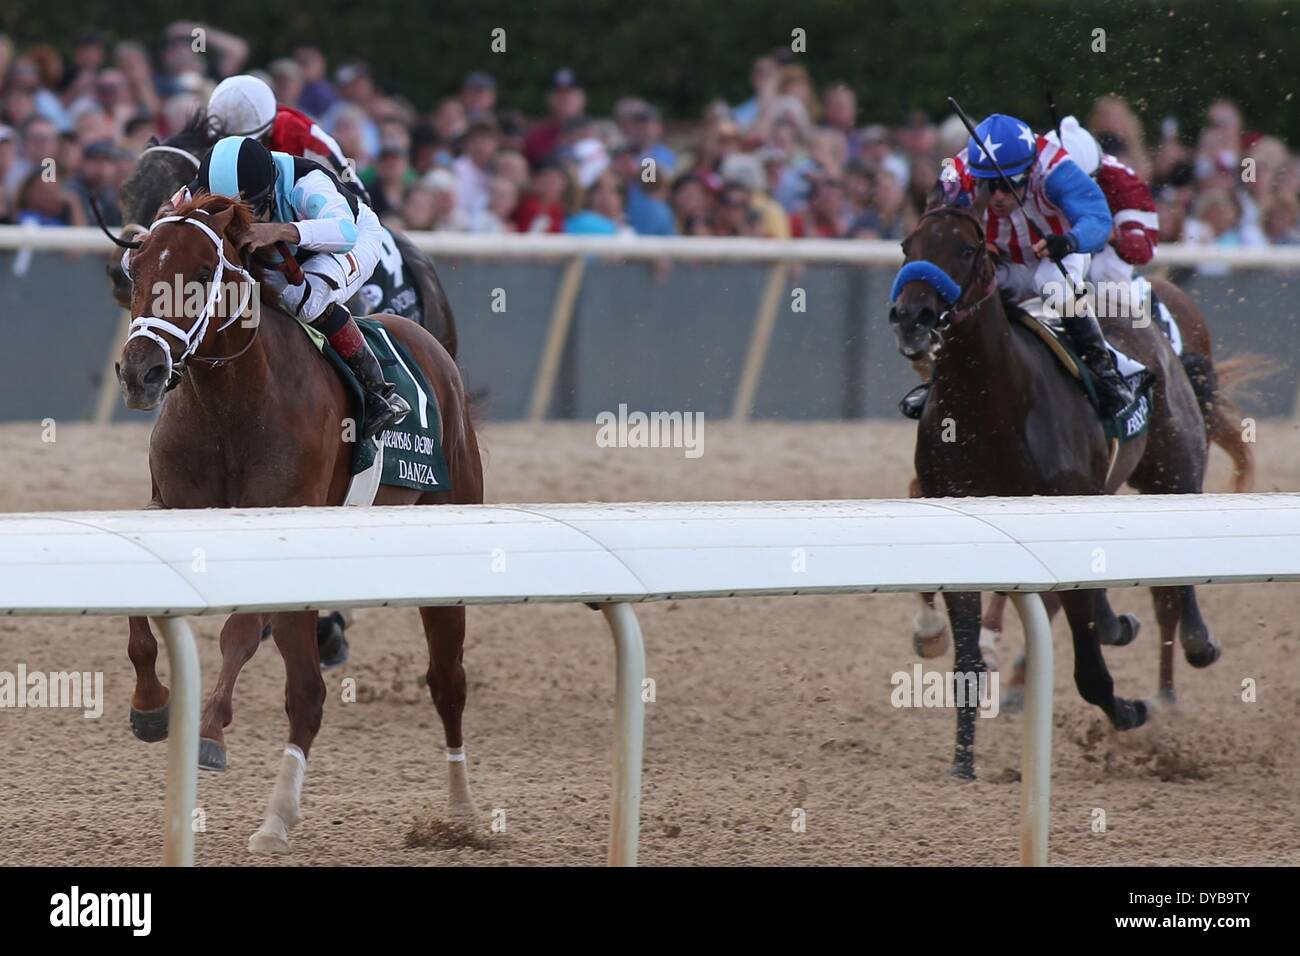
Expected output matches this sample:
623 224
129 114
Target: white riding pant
1043 279
332 277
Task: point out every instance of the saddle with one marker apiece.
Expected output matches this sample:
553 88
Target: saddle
1131 422
1133 419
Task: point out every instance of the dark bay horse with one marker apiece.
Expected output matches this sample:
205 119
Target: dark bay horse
165 167
1214 384
264 426
1024 427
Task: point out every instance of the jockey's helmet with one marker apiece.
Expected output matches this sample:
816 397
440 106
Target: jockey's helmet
242 168
1080 145
243 106
1005 139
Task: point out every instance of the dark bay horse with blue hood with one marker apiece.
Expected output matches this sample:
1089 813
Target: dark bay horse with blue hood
1005 418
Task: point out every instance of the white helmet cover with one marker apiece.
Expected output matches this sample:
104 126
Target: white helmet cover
244 105
1078 142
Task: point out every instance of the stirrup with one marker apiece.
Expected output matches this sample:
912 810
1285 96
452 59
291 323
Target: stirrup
383 409
913 403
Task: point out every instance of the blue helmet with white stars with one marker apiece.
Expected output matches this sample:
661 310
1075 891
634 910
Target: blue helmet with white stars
1003 138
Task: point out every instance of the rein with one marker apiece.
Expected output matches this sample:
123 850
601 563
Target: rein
149 326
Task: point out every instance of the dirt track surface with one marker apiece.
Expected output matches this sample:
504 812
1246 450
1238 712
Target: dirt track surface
763 705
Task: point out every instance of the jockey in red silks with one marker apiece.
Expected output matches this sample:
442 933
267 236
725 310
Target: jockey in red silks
1136 234
245 106
1068 221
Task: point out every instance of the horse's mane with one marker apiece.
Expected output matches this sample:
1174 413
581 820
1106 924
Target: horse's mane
197 135
209 204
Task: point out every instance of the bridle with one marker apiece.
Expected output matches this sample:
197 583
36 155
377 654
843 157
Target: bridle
161 148
149 326
982 264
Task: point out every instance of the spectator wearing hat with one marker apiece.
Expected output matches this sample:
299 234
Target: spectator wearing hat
565 101
644 208
546 201
645 130
478 94
472 168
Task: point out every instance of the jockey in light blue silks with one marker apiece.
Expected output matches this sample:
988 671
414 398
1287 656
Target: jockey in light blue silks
1069 220
336 237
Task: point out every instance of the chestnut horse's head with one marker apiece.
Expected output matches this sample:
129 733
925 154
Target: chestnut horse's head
945 263
182 275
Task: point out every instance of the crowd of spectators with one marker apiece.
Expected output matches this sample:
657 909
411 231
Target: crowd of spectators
789 161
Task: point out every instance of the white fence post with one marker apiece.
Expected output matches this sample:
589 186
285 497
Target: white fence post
1036 763
629 733
182 740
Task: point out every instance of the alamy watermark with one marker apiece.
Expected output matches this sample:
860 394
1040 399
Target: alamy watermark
626 429
73 690
922 688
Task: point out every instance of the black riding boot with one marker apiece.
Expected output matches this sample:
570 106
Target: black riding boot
384 407
1084 333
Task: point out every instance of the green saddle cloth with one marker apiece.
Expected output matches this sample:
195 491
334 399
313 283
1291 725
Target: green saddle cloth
413 456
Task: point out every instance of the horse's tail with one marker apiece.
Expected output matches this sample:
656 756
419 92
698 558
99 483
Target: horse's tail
1218 386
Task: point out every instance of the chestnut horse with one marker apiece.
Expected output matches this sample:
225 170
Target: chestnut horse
1214 384
1024 427
264 426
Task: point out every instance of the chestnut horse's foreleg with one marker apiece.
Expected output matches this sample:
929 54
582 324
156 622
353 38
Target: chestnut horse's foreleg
240 638
1084 610
149 710
444 630
964 610
1168 611
304 701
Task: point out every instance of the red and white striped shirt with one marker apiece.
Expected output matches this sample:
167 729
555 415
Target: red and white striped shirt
1013 234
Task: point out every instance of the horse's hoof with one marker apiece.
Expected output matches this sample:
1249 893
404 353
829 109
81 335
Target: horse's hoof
963 764
266 631
1013 701
1129 625
271 838
1167 696
332 642
212 755
1130 714
1205 655
151 725
931 634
